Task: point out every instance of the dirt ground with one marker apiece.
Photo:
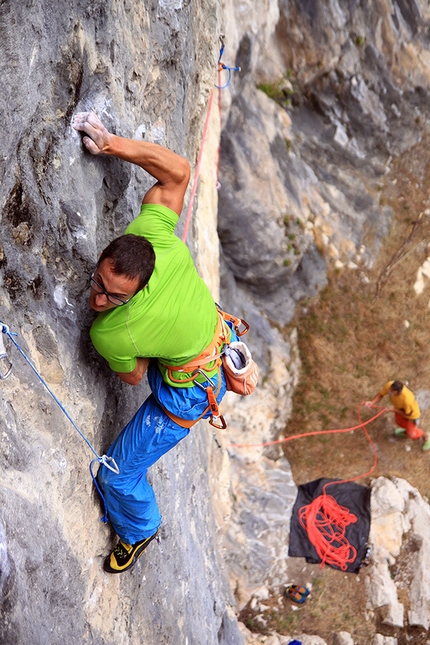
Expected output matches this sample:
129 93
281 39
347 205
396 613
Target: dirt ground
368 326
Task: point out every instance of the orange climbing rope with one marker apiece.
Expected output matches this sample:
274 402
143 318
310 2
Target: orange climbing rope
324 520
197 171
221 66
362 424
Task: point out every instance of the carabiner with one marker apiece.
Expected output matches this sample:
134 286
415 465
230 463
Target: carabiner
206 377
4 356
222 422
242 332
104 459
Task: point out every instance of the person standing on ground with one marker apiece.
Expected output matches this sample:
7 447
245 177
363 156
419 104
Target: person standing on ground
155 314
406 409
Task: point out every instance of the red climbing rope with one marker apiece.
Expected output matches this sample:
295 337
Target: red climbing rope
312 434
324 520
218 165
219 87
197 172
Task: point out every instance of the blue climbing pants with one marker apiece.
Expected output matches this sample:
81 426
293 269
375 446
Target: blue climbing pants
130 500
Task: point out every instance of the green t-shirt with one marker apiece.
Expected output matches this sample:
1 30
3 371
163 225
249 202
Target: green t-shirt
174 318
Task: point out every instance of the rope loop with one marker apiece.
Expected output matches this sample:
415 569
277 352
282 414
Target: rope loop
222 66
324 520
105 518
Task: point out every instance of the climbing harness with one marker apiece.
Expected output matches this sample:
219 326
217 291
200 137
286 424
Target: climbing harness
324 520
109 462
203 366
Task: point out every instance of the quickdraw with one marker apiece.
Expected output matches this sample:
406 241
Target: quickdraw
222 66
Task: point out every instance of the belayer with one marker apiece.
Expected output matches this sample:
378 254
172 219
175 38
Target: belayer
155 316
406 411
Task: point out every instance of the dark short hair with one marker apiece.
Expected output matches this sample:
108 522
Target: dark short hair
397 386
132 256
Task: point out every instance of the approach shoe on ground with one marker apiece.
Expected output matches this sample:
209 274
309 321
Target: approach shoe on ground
426 445
297 594
399 431
124 556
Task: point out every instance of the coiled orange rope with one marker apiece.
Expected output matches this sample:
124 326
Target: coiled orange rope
324 520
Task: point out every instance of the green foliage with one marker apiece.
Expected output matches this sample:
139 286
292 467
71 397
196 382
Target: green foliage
292 245
280 91
272 90
250 624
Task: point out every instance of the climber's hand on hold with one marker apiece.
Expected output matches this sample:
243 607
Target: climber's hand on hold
98 139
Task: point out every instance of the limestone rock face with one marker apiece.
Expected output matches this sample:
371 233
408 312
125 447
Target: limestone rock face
343 638
355 84
269 249
147 69
400 531
379 639
301 178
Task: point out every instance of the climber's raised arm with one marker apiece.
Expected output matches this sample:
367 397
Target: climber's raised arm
171 171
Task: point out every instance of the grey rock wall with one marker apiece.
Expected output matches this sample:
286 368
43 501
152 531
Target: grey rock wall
301 180
353 82
146 68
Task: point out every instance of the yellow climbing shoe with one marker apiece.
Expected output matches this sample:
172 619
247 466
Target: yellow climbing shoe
124 556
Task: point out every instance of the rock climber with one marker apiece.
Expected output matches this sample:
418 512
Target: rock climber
406 409
154 314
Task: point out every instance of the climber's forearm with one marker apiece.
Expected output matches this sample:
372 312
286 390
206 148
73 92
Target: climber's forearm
171 170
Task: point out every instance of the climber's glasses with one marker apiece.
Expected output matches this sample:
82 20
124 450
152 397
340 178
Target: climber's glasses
112 299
